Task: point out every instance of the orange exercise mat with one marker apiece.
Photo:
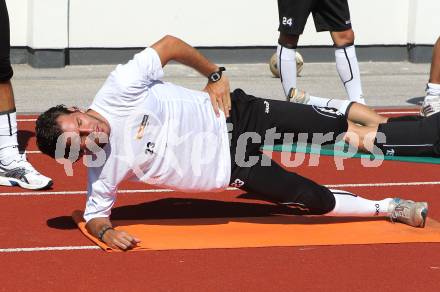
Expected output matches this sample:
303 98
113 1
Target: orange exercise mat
204 233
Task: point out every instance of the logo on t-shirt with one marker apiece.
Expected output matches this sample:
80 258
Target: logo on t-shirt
238 183
140 132
150 148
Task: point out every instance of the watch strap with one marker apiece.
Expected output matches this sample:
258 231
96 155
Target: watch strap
103 231
217 75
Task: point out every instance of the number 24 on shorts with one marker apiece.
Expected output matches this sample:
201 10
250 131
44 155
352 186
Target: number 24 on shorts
288 21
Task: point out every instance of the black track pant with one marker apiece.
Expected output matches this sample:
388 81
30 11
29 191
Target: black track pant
251 170
411 136
5 63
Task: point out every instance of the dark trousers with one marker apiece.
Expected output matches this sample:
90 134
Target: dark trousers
5 46
256 122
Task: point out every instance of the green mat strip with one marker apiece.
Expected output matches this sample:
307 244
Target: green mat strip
343 150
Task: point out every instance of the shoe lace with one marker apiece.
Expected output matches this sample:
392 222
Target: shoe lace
18 172
22 163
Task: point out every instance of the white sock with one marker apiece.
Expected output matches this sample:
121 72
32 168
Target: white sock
287 67
433 89
348 69
8 137
339 104
350 205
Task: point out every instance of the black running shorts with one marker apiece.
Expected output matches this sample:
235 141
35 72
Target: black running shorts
328 15
5 63
256 122
411 136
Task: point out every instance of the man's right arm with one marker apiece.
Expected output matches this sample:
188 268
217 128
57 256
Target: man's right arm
170 48
113 238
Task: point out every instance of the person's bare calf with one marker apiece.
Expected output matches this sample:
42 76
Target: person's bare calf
431 103
7 96
342 38
434 76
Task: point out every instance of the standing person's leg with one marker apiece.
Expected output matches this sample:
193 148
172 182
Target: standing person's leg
8 124
14 169
431 103
334 16
347 65
292 19
434 77
309 198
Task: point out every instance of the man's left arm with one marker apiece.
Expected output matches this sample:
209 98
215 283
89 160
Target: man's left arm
102 228
172 48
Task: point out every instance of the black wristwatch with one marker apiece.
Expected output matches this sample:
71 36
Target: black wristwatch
216 76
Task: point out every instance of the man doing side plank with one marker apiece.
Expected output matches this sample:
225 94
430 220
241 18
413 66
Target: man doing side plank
142 128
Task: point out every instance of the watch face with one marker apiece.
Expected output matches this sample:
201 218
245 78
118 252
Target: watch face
215 77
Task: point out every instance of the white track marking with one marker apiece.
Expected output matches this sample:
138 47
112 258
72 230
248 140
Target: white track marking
33 152
93 247
398 113
63 193
48 248
42 193
422 183
26 120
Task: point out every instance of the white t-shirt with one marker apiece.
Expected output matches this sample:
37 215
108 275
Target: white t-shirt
183 145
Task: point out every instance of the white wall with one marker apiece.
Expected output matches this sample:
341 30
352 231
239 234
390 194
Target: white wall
18 21
132 23
136 23
426 21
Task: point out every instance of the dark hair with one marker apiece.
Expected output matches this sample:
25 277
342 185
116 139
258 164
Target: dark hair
48 130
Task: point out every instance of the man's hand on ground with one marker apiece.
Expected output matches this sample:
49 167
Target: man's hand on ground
120 240
220 95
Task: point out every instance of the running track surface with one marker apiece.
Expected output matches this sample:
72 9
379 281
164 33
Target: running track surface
33 220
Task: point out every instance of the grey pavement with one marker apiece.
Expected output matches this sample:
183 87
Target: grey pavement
386 84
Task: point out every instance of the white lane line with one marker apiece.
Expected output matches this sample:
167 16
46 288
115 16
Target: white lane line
85 192
48 248
399 113
26 120
422 183
33 152
63 193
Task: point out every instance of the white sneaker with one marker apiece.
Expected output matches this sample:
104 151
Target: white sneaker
408 212
20 172
430 106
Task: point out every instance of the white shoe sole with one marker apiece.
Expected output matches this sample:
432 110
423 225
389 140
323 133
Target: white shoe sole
12 182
